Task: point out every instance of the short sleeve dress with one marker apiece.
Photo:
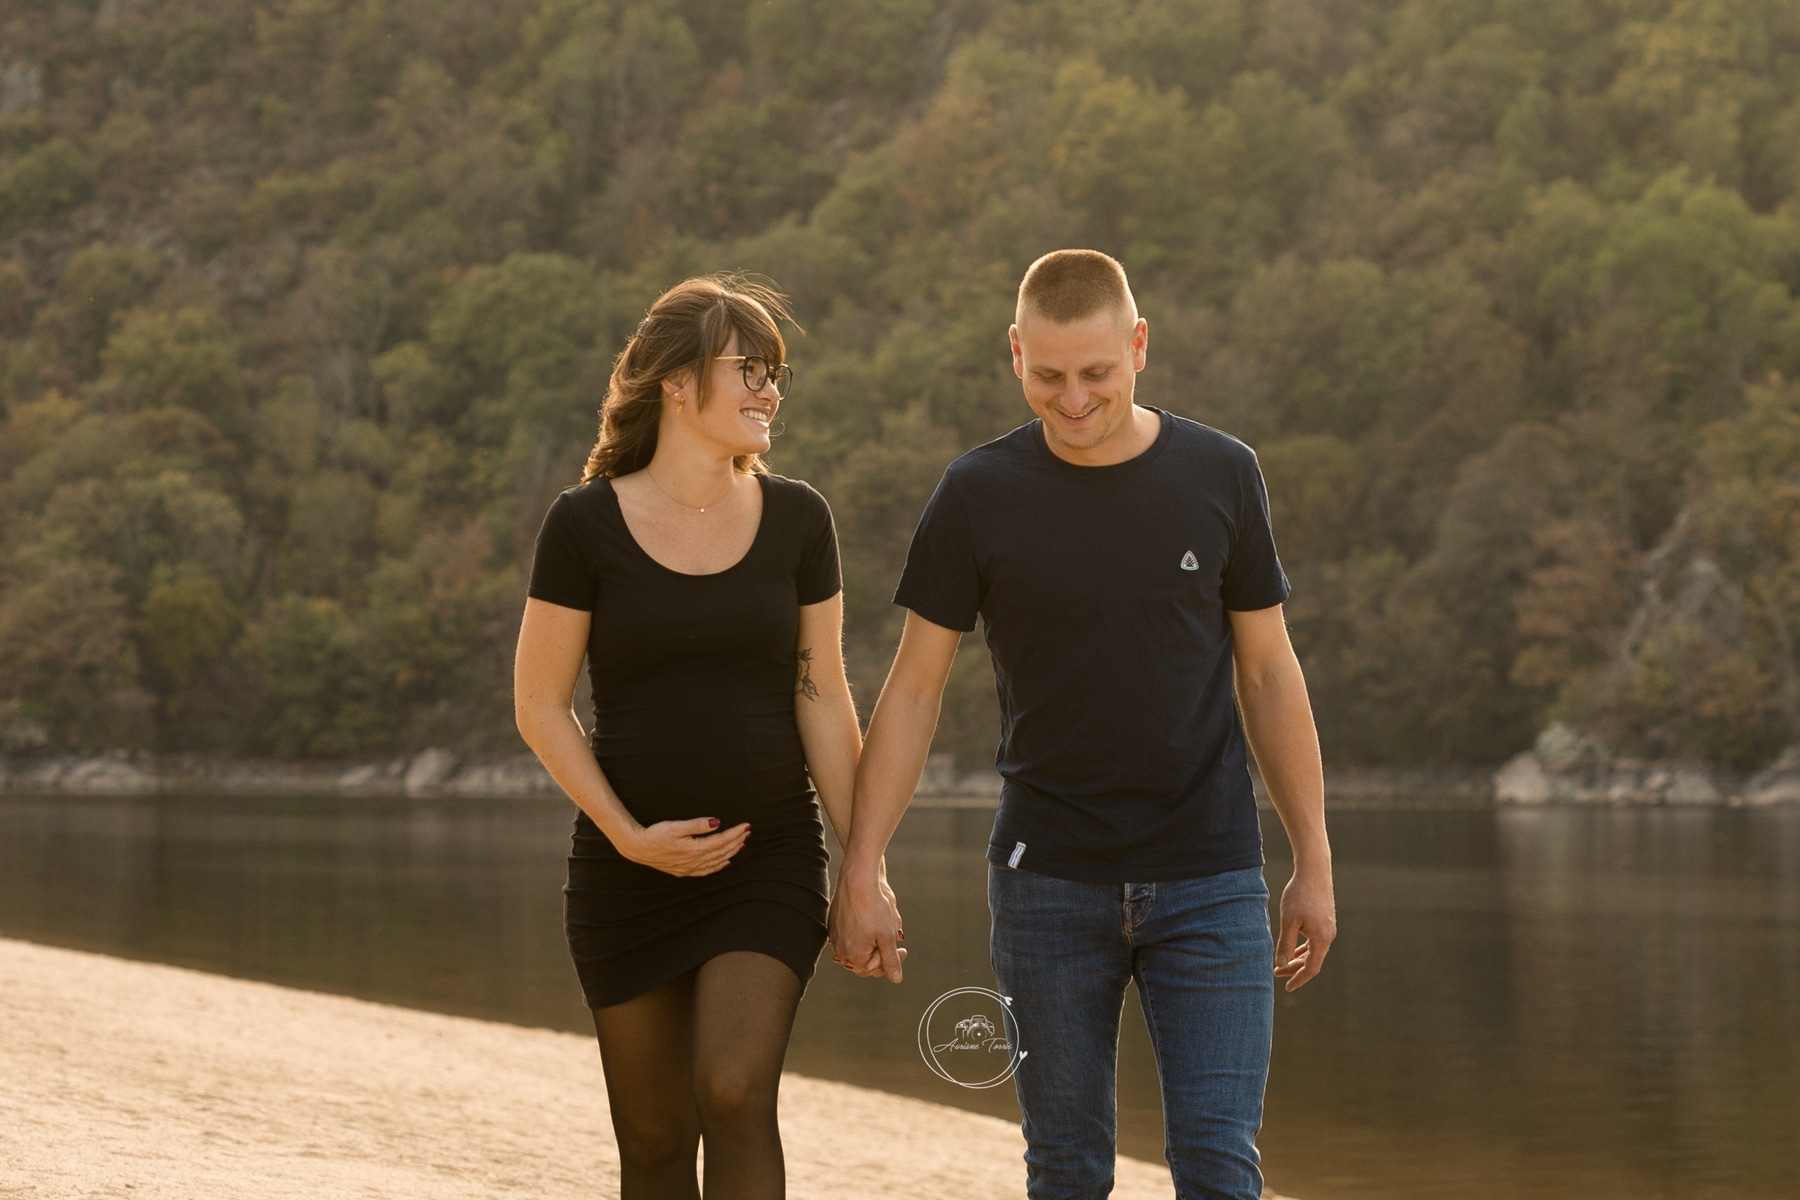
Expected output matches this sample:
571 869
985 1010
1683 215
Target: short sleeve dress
694 691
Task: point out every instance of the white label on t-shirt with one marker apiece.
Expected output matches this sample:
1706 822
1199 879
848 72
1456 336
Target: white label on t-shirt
1017 854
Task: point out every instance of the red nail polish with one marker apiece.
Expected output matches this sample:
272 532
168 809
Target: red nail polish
713 822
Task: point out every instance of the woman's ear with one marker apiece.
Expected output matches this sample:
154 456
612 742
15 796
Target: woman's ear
677 389
681 387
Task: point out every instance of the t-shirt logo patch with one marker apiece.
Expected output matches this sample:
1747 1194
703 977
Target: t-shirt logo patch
1189 562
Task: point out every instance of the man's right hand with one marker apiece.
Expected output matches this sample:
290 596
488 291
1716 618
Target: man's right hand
864 925
686 847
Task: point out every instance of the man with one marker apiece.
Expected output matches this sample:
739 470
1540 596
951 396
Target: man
1122 561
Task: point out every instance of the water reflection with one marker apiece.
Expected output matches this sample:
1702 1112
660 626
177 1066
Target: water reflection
1523 1004
1552 1003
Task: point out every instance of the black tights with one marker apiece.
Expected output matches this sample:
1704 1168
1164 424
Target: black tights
700 1057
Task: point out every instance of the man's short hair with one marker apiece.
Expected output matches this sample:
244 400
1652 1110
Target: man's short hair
1068 285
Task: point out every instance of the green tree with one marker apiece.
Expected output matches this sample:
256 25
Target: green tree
301 301
66 656
185 623
44 183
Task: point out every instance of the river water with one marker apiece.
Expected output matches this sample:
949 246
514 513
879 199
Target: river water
1565 1004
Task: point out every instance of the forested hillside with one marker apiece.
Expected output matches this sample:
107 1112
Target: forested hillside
306 307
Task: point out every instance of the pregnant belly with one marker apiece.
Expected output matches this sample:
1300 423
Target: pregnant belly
658 787
787 845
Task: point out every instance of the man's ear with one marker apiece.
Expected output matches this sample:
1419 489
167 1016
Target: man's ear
1018 351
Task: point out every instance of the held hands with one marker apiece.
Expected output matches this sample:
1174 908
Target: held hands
1308 926
864 925
686 847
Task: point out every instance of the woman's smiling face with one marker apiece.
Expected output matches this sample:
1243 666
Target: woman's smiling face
731 416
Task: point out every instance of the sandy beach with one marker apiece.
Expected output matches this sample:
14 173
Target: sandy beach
133 1079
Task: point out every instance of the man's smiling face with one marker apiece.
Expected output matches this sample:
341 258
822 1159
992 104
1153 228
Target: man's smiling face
1079 378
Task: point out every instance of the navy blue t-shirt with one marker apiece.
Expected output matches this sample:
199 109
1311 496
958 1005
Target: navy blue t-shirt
1104 591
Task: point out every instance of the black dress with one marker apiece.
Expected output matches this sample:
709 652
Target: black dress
694 683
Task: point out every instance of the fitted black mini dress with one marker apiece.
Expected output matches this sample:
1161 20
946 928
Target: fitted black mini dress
694 690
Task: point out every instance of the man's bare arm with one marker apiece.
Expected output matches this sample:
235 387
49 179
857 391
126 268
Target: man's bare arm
865 920
1271 693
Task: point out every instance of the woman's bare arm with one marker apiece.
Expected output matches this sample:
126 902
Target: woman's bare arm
825 712
552 644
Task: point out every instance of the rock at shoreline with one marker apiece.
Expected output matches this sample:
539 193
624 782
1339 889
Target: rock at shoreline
1777 783
518 777
434 772
374 778
1523 780
104 775
1566 767
429 771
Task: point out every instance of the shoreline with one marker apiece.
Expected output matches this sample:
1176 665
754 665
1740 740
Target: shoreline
1568 768
232 1087
434 772
444 773
1550 775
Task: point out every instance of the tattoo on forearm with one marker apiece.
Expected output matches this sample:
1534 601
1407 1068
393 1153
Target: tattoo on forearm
806 687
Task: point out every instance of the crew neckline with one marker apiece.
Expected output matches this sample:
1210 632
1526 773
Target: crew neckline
1107 470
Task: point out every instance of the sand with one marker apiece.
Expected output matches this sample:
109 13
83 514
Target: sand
132 1079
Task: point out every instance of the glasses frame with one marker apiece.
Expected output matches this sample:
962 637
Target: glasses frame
782 375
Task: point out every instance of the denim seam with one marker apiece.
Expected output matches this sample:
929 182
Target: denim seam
1156 1046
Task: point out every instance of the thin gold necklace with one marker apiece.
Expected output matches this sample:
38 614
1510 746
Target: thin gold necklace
730 484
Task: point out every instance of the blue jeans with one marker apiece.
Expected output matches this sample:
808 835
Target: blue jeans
1201 955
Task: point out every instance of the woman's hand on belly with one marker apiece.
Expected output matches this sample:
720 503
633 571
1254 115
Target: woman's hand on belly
696 847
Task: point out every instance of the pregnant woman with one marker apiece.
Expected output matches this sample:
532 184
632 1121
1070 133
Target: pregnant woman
704 593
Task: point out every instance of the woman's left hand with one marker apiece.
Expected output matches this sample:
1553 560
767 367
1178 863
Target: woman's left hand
685 847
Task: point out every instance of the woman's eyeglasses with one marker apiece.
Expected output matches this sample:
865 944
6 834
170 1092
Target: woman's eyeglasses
757 373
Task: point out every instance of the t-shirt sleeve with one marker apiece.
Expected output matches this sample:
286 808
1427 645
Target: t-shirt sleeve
942 580
561 571
819 577
1253 575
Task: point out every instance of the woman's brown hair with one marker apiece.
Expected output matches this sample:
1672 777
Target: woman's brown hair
687 326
